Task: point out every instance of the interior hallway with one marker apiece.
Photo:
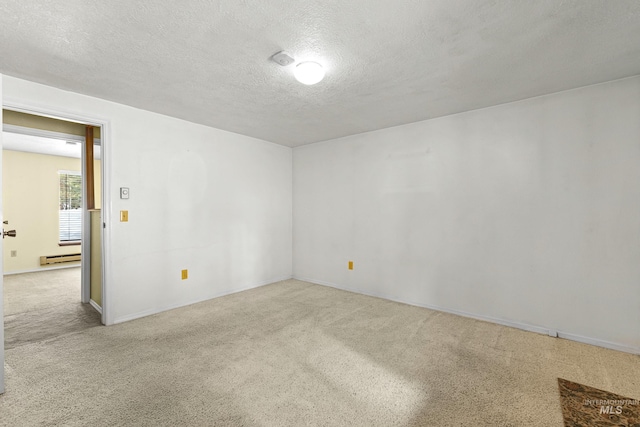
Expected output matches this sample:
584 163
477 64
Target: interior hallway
44 305
294 353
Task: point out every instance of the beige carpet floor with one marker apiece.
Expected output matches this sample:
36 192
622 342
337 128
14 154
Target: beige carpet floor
296 354
43 305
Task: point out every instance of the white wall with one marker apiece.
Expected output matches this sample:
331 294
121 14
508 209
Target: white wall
216 203
526 213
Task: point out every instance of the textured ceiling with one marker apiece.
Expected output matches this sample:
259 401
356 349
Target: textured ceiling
388 62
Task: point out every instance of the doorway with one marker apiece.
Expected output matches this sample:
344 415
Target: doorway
52 197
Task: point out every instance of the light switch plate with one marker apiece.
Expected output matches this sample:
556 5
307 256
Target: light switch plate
124 192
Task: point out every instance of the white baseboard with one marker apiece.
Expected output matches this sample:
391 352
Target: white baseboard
96 306
150 312
71 265
598 342
499 321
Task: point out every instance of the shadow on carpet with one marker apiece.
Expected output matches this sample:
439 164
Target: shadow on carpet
584 406
45 324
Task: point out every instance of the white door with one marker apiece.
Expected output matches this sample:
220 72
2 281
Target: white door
1 266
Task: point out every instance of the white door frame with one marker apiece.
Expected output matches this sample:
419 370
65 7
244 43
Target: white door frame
105 134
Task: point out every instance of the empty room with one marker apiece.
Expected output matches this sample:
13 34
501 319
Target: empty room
336 213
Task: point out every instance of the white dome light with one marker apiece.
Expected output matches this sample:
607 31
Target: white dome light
309 73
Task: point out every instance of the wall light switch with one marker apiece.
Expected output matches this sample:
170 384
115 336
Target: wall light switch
124 192
124 216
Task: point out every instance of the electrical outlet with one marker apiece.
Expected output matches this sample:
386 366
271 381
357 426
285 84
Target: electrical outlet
185 274
14 253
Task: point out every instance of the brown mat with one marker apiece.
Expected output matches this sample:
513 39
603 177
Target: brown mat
584 406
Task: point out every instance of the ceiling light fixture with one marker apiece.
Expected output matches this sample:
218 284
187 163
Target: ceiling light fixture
309 73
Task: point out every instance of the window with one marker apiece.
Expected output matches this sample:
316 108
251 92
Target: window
70 222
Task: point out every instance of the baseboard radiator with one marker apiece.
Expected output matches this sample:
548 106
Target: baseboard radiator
57 259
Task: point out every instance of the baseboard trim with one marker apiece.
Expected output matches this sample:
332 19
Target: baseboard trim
42 269
96 306
518 325
151 312
599 343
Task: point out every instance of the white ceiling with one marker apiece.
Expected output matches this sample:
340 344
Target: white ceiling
388 62
42 145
